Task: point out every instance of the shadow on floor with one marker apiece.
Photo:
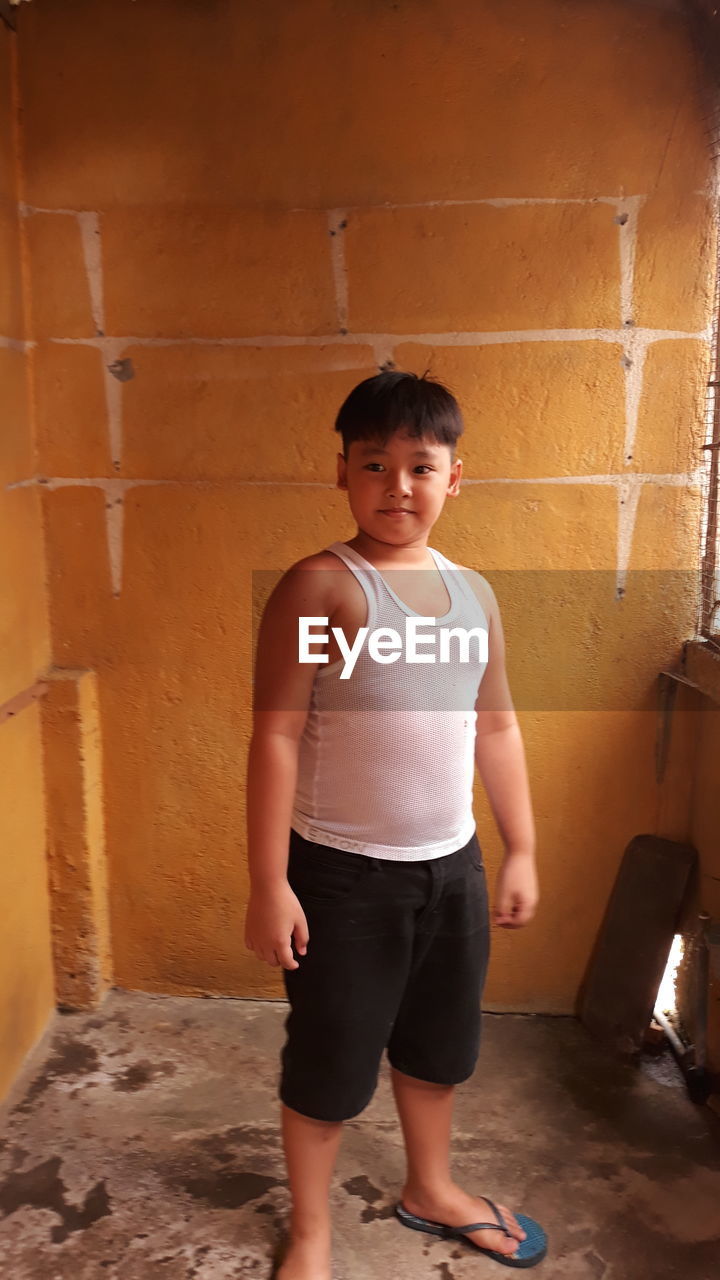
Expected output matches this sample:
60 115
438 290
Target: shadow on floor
143 1141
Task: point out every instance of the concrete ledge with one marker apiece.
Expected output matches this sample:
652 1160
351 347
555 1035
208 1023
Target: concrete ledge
76 861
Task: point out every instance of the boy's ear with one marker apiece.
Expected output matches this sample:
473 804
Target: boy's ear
341 472
455 476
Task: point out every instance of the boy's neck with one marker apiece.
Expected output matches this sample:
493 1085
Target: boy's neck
413 555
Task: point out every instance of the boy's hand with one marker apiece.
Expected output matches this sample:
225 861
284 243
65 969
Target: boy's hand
516 891
273 917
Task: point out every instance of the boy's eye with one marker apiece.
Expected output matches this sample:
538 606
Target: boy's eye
421 468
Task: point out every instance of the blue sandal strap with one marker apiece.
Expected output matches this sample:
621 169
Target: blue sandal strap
498 1215
472 1226
447 1231
527 1252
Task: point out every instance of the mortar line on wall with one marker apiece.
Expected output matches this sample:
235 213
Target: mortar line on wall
635 344
506 202
628 497
676 479
89 224
628 489
498 202
111 350
27 210
115 490
120 483
466 338
337 222
634 353
14 344
627 220
384 353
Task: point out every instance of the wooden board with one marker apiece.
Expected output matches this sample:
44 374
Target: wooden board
632 948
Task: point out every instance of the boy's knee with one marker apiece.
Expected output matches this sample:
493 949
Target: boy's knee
336 1115
303 1115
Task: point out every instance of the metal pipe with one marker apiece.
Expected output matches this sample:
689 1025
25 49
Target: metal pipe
703 982
691 1058
672 1035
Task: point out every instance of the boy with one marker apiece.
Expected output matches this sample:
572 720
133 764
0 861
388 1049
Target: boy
362 757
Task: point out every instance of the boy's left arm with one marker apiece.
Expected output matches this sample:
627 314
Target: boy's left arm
500 758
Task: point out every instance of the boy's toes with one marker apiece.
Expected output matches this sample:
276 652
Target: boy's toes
494 1240
511 1222
507 1245
497 1240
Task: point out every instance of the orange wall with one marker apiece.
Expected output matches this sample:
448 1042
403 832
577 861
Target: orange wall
27 996
236 212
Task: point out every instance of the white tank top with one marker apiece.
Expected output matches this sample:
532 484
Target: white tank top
386 759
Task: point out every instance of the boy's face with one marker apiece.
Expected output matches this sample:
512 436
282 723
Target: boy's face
397 490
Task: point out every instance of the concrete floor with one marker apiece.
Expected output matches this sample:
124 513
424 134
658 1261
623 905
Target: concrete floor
142 1141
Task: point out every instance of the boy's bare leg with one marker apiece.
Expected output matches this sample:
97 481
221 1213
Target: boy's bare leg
425 1112
311 1148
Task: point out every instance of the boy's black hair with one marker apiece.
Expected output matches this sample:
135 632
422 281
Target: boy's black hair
379 406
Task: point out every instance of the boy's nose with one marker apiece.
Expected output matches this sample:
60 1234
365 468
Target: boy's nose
397 485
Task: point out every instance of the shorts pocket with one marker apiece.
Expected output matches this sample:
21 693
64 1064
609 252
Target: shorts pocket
317 873
474 853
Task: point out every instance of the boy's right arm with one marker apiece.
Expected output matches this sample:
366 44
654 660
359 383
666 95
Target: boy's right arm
281 697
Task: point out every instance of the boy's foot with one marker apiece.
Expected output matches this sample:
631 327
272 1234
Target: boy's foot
304 1258
455 1207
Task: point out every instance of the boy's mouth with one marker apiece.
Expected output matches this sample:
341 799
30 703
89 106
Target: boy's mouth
395 511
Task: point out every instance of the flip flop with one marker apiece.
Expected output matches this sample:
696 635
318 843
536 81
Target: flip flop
529 1251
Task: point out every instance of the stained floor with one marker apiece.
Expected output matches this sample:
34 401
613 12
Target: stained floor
143 1141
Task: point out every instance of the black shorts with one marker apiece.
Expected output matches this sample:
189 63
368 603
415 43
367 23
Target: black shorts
397 959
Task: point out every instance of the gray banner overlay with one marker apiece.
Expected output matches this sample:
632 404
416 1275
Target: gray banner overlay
572 642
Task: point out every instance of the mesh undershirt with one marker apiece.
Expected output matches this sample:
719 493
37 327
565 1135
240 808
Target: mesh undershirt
386 759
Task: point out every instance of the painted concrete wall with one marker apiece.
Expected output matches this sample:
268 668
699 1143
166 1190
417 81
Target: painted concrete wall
27 996
232 214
